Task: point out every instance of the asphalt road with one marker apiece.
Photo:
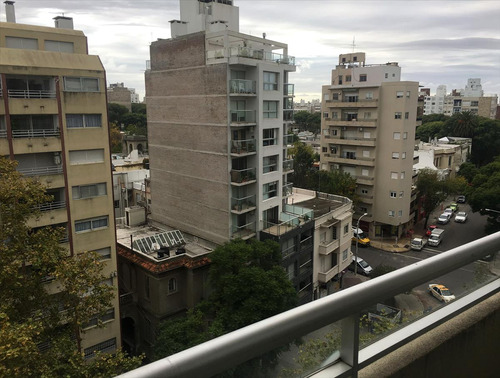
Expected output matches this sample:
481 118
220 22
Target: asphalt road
456 234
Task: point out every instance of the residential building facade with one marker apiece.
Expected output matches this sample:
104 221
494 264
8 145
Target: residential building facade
53 121
368 126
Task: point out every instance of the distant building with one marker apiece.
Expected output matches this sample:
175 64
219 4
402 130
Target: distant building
53 121
119 94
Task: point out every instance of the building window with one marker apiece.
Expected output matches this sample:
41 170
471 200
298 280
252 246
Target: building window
324 149
270 81
335 96
325 114
364 172
107 346
367 115
96 320
333 149
364 191
362 77
59 46
172 285
401 194
270 109
104 253
269 137
270 190
86 156
369 95
81 84
335 115
474 103
405 135
386 75
340 79
21 43
397 115
391 213
400 213
77 121
334 132
334 233
395 155
270 164
408 94
402 175
394 175
396 136
403 155
344 255
91 224
326 97
407 115
347 78
346 229
399 94
88 191
394 194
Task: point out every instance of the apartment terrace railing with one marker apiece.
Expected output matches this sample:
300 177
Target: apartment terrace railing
241 86
245 52
288 165
3 133
41 171
30 93
55 205
242 116
288 139
243 204
227 351
242 176
243 232
288 89
35 133
287 189
243 146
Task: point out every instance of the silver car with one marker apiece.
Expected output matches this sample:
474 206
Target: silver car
444 218
461 217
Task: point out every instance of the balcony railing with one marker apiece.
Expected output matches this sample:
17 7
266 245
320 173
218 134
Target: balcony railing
288 139
288 165
243 146
245 52
54 205
243 232
3 133
30 93
241 205
242 86
242 116
227 351
287 189
35 133
241 176
287 115
288 89
41 171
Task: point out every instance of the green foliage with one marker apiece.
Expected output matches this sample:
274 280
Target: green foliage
248 285
308 121
115 138
462 124
434 118
429 131
303 159
116 112
29 315
139 108
134 123
380 270
468 171
430 191
486 142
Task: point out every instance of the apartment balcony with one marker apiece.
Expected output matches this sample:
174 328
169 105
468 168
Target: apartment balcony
240 177
353 122
248 53
30 93
325 277
242 117
365 198
243 205
41 171
244 232
448 339
287 189
288 139
352 104
364 180
291 218
242 87
288 166
47 133
241 147
288 115
355 160
327 247
288 90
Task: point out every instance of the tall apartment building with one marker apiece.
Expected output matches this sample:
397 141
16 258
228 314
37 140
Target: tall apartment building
368 130
53 121
219 108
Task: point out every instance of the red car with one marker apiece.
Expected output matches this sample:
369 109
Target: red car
430 229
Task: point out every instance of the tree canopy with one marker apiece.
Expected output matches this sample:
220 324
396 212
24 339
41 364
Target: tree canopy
134 122
307 121
31 259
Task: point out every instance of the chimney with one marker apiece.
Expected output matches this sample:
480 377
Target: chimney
9 11
62 22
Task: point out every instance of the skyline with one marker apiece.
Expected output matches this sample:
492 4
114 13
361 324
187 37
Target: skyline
463 38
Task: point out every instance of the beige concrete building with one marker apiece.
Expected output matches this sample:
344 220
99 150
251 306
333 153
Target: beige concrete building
53 121
368 130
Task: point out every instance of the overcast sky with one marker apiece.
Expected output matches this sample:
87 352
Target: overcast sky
435 42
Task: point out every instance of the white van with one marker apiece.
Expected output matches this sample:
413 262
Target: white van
436 237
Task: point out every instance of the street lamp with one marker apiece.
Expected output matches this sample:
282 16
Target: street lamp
357 241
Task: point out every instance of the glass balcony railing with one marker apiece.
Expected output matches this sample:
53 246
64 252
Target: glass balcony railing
342 333
240 176
246 52
288 89
287 189
243 146
242 86
243 204
288 165
243 232
288 115
288 139
242 116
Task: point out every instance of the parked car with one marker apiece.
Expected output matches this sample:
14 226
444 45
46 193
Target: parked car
430 229
362 239
461 217
418 244
436 237
453 206
444 218
448 210
441 292
363 266
461 199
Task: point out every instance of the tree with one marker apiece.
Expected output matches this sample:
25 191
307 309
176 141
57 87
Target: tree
303 159
430 191
116 113
468 171
139 108
462 124
486 142
29 315
116 138
308 121
429 131
248 284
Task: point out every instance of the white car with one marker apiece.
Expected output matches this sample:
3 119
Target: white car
461 217
441 292
444 218
448 210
